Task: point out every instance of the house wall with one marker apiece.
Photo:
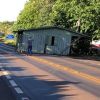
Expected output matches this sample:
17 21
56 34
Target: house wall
41 41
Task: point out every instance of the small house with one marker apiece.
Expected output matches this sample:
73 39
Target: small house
47 40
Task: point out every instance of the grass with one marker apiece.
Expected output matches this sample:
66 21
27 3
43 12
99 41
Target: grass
10 42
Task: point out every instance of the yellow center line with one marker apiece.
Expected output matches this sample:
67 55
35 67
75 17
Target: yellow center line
66 68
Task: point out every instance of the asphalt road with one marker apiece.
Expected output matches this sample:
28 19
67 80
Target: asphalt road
38 80
5 92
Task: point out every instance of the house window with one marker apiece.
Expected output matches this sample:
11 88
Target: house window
52 40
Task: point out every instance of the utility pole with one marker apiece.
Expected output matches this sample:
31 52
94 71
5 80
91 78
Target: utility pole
78 25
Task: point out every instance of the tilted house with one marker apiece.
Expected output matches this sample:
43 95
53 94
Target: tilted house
47 40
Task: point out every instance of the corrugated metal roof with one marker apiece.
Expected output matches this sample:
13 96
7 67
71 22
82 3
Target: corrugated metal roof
51 27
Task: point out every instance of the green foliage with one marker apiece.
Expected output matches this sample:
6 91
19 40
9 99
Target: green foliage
59 15
34 14
6 27
66 13
62 13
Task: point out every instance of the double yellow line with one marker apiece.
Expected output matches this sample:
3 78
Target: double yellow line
66 68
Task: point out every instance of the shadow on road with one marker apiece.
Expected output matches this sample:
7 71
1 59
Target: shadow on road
95 58
5 92
41 89
9 68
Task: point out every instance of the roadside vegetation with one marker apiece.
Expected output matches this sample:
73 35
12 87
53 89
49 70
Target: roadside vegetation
6 27
10 41
5 30
78 15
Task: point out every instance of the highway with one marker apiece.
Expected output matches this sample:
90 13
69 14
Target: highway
47 77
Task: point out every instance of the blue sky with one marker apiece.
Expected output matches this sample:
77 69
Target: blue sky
10 9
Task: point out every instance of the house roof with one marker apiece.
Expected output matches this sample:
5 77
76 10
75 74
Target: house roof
51 27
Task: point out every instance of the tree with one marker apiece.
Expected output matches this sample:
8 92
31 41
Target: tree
62 13
34 14
6 27
60 16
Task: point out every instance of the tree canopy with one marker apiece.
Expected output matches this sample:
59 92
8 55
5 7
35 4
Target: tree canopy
6 27
62 13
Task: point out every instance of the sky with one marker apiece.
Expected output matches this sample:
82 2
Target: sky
10 9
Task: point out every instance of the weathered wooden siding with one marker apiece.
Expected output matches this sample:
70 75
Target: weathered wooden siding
41 42
62 42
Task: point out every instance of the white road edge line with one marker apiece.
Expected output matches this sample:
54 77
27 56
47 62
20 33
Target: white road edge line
25 98
12 82
18 90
